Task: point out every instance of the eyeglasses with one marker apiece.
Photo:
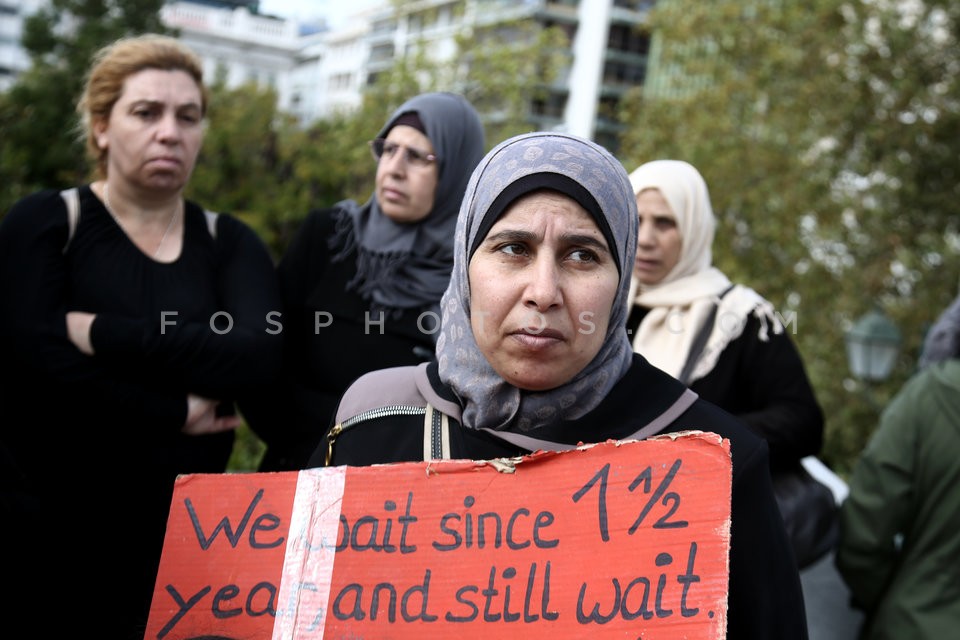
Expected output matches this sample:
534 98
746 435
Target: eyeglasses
382 148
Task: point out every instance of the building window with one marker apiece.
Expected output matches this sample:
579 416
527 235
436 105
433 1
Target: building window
627 39
623 73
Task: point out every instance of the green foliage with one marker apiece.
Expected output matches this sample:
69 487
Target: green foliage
508 68
240 161
247 452
827 131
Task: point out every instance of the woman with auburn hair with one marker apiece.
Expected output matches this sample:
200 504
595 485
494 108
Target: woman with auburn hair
132 318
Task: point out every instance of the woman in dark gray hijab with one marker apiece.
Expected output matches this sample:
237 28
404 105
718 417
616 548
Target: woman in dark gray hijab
533 354
404 255
361 283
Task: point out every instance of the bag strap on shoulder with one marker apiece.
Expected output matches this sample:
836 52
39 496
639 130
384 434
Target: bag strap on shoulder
700 341
436 435
71 198
211 222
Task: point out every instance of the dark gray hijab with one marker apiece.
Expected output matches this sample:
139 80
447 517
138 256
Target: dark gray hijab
407 266
517 166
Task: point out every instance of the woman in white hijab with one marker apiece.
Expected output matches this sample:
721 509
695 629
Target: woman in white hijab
747 363
532 354
723 340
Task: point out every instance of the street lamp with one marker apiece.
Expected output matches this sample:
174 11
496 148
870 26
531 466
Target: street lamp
872 346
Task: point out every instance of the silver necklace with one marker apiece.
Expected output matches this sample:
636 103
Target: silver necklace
106 202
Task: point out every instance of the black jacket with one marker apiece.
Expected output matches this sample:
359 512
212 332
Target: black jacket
94 444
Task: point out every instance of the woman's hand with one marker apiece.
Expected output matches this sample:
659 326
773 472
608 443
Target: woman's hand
202 417
78 330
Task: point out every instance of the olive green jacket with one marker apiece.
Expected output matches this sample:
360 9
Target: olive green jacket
900 524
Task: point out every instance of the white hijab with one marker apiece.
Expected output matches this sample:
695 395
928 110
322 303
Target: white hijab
681 303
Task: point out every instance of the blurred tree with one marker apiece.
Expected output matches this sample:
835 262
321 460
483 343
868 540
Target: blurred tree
827 131
507 68
241 169
41 145
320 164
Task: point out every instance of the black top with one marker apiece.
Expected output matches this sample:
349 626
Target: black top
331 337
765 598
765 384
94 443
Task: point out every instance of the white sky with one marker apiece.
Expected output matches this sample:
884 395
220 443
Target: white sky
335 11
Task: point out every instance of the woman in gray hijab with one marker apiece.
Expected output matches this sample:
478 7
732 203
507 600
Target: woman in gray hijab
361 283
533 354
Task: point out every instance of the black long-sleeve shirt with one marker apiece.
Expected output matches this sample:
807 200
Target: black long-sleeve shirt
85 433
324 353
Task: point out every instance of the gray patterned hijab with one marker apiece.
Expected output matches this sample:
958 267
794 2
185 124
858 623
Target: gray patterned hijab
407 266
600 184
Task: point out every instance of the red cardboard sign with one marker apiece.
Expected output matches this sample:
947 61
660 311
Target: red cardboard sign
612 540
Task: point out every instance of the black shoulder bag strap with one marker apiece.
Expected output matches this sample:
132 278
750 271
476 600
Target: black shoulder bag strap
700 341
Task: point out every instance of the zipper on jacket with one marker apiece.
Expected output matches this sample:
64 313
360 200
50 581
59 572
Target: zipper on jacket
370 414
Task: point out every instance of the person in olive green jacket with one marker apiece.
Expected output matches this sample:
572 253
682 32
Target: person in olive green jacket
899 526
